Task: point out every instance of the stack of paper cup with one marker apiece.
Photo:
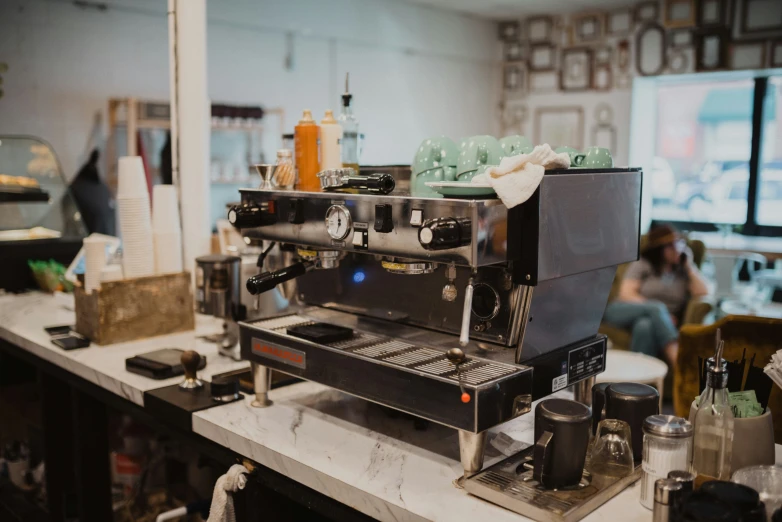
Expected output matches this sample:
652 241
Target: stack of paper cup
94 261
166 230
134 219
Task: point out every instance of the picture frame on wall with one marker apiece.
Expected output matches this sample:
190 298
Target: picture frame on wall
539 29
603 55
509 31
747 55
513 79
760 16
680 38
575 73
602 77
711 50
588 28
680 60
678 13
711 13
542 82
619 22
776 53
542 57
648 11
514 51
650 57
560 126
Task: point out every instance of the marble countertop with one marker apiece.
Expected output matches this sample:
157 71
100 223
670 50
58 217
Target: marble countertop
354 451
23 318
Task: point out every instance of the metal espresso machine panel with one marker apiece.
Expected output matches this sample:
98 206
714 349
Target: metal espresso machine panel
459 311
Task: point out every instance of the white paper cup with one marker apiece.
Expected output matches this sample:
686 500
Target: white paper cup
165 209
168 252
95 260
132 181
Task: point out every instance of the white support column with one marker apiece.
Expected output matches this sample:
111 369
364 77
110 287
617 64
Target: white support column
190 124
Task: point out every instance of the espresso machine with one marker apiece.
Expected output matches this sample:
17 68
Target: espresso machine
459 311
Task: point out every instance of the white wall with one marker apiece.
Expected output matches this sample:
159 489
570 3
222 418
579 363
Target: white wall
415 71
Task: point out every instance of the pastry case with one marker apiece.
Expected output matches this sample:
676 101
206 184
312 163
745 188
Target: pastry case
39 219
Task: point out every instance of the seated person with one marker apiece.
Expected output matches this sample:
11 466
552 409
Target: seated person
654 293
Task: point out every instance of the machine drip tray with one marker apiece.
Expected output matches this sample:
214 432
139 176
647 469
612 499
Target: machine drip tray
509 484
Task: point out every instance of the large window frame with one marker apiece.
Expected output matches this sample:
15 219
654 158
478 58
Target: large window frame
750 227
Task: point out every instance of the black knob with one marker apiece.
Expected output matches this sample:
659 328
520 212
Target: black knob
251 216
444 233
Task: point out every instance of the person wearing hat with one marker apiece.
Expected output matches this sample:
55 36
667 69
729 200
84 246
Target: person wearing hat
654 292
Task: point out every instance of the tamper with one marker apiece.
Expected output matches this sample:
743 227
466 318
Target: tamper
190 361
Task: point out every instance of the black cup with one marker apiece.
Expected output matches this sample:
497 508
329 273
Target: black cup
561 439
632 403
598 404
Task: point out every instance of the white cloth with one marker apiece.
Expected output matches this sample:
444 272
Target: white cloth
222 509
516 177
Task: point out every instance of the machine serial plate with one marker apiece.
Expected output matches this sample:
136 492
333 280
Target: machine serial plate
289 356
585 362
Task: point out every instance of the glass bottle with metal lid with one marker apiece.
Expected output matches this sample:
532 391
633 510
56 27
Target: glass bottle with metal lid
667 446
713 438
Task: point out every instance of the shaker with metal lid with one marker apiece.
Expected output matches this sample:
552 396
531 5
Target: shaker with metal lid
667 494
685 477
667 446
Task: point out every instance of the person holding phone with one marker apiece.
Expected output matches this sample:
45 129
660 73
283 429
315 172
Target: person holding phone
654 292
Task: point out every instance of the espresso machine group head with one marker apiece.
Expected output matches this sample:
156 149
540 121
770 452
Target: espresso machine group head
459 311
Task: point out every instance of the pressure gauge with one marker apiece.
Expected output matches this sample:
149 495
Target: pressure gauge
338 222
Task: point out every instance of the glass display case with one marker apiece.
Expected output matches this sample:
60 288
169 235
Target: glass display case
33 192
39 219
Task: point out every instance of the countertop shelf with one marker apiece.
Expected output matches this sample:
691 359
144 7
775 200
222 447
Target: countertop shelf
23 195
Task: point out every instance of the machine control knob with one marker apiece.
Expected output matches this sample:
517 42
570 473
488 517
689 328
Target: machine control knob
444 233
252 216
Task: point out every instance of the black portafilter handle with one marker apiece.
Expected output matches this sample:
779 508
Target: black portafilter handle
261 283
378 183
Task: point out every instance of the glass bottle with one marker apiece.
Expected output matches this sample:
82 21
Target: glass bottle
350 134
284 176
713 438
306 146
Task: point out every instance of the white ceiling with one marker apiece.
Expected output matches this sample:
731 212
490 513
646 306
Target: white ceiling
504 9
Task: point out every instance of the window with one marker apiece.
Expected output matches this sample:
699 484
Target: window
769 208
707 171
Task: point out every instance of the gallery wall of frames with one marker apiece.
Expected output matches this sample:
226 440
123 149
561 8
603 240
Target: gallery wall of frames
568 77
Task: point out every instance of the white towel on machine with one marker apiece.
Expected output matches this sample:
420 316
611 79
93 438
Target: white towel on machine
222 509
516 177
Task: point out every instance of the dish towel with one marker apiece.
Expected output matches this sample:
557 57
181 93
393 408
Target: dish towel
516 177
222 509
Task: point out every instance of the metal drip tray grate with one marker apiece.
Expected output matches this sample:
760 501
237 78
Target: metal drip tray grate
443 366
416 356
377 350
400 353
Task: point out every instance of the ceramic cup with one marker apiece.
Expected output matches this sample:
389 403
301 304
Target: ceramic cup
514 145
576 156
476 152
597 158
435 160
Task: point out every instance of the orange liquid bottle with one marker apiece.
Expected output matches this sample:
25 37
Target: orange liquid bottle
306 145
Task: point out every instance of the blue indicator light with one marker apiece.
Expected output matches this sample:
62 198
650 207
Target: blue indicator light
358 276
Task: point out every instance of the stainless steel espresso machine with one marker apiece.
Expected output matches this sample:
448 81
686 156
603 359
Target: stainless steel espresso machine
459 311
